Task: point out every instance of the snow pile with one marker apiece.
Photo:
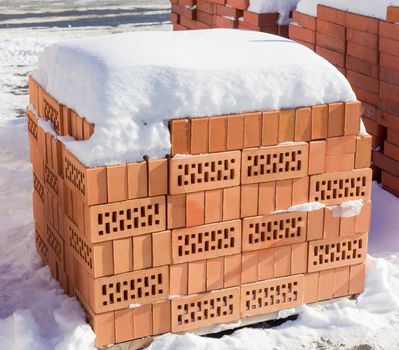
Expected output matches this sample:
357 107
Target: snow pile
282 7
372 8
130 84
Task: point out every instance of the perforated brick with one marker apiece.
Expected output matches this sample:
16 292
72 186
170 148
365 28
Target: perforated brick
206 241
204 172
96 259
137 287
52 111
89 183
125 219
271 295
41 246
274 230
274 163
336 188
38 186
337 252
206 309
32 123
52 181
56 244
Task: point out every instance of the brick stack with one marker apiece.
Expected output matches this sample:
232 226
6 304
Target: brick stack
366 50
183 243
206 14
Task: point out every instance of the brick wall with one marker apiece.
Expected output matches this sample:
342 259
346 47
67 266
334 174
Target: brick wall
366 50
206 14
182 243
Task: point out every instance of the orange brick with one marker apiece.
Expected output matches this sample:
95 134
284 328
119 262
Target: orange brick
231 203
214 273
283 194
315 224
117 183
300 190
352 117
341 282
311 289
199 135
317 152
235 132
213 206
249 200
137 180
197 276
180 136
123 255
161 248
176 210
178 279
161 317
217 134
124 328
340 162
195 209
253 130
331 224
267 197
319 122
303 122
357 278
341 145
266 264
270 128
347 226
326 285
362 224
299 258
249 266
142 252
104 327
336 119
363 152
142 321
232 270
392 14
282 261
157 177
287 125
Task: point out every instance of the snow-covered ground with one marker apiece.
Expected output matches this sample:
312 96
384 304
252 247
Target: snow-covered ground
34 312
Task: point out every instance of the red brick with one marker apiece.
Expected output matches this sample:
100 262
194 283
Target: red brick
319 122
389 76
176 210
330 14
334 57
363 152
117 183
205 18
137 180
352 118
330 28
270 128
303 121
287 125
389 61
157 177
331 42
362 52
217 134
262 19
239 4
199 135
195 209
301 33
223 22
389 30
235 132
336 119
253 129
180 136
361 66
363 81
363 23
304 20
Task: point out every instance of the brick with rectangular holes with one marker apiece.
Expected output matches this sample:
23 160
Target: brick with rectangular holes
273 230
137 287
335 188
205 309
337 252
274 163
204 172
206 241
125 219
271 295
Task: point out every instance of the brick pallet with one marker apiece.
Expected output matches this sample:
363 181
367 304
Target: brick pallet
206 14
184 243
366 50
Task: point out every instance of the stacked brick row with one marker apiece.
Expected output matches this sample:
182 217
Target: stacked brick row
183 243
366 50
206 14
